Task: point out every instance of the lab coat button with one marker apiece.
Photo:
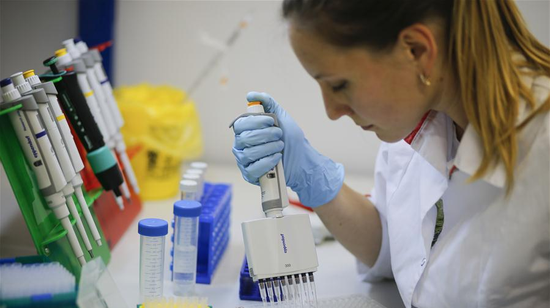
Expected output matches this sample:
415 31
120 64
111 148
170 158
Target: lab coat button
423 262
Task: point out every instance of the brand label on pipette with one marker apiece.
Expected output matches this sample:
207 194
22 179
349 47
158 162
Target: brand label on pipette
285 249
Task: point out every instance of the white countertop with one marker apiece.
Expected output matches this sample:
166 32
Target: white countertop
337 268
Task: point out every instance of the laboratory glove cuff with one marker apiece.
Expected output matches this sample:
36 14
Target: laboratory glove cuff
322 184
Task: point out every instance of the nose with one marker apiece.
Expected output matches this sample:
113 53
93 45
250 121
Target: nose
333 108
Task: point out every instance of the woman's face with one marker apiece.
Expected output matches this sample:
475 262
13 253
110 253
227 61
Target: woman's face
379 92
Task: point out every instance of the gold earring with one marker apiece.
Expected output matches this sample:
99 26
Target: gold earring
425 80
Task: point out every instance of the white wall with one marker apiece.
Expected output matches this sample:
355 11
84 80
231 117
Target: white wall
159 42
30 31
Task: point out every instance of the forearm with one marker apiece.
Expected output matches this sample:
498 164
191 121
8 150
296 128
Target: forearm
355 223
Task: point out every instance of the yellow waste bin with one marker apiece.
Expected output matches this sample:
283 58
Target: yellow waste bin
161 130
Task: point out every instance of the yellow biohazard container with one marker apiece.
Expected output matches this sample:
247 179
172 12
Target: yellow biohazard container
161 130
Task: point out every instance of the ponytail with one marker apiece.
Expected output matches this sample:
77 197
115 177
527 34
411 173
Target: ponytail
483 36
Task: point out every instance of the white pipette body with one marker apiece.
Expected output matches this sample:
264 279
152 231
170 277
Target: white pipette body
72 150
40 156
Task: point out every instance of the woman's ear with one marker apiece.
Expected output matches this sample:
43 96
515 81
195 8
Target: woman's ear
418 42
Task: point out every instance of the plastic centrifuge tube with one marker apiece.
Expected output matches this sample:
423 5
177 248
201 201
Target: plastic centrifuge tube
151 257
186 235
200 185
200 173
188 190
199 165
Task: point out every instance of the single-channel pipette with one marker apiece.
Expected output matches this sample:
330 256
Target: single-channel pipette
40 157
99 111
70 147
56 140
77 111
92 58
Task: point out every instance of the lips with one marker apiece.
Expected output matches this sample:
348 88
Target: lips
368 127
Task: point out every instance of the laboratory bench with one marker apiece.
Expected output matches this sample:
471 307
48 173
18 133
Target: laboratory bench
336 276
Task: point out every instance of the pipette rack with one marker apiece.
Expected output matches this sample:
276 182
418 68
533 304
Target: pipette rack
46 231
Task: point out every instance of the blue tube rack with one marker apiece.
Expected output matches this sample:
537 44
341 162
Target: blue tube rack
248 289
214 223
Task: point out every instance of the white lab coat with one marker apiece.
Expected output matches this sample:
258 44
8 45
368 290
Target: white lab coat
494 251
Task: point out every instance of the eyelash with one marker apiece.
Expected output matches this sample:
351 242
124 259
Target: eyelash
340 87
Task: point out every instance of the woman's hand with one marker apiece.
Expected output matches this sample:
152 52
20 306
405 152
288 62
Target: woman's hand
259 146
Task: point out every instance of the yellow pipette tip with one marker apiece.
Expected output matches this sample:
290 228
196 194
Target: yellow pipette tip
254 103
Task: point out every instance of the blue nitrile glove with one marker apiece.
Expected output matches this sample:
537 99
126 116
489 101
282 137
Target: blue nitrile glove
258 145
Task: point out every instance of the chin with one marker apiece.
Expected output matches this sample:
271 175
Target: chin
389 137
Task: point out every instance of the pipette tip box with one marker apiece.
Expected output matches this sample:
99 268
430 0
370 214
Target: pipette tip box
67 300
214 223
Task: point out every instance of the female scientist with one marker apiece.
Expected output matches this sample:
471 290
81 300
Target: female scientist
459 93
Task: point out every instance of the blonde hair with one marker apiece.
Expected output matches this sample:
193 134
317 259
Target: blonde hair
483 36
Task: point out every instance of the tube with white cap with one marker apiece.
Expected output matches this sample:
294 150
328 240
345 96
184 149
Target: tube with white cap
40 157
199 165
199 177
188 190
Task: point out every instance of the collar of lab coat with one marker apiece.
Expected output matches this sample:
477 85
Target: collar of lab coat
435 140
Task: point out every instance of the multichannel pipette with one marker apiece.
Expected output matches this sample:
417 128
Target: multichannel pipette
76 109
41 157
280 249
54 135
70 148
104 92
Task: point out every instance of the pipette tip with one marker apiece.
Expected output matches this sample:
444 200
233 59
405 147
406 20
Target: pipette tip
99 243
91 253
82 260
120 202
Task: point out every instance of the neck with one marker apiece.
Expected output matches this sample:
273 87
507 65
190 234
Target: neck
448 101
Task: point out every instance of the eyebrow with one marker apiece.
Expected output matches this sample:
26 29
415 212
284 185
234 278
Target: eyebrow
319 76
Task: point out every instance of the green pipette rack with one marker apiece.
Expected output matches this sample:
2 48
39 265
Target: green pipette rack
46 231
